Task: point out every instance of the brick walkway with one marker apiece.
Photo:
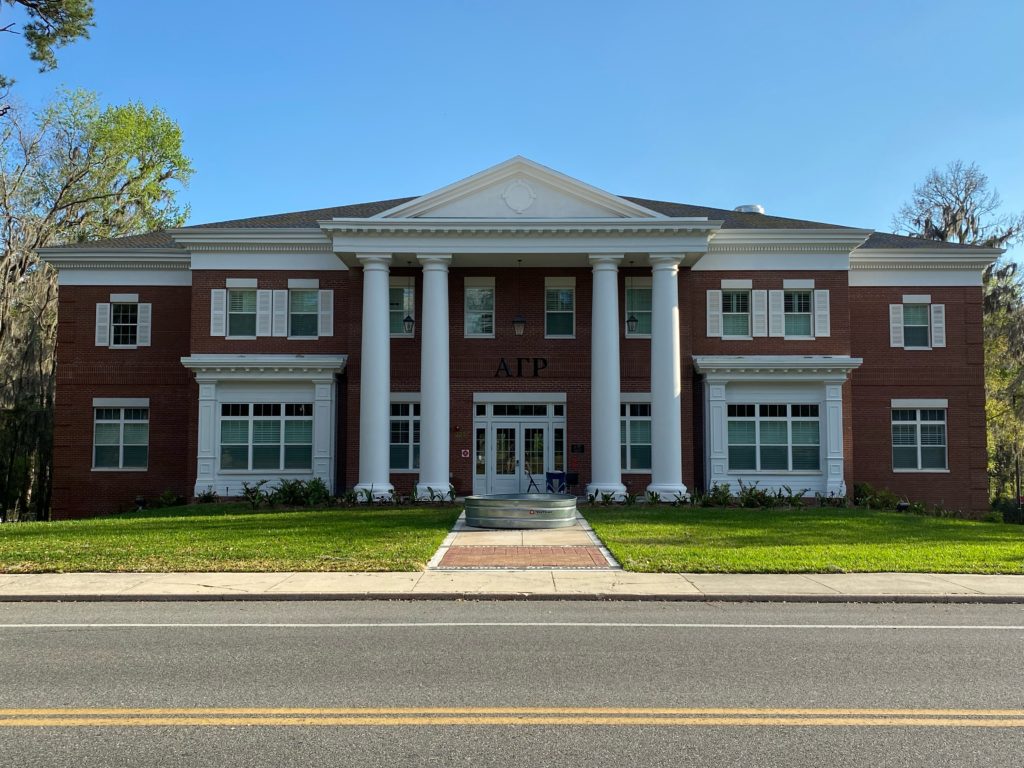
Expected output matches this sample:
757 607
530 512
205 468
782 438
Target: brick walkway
482 549
523 557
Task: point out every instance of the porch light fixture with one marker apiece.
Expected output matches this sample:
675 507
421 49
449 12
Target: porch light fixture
407 324
632 323
519 324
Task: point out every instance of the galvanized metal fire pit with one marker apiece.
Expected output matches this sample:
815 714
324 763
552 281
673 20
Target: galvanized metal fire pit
521 510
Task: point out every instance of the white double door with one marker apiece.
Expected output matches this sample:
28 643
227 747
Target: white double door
520 453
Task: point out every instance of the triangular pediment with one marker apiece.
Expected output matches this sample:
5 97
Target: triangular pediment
519 189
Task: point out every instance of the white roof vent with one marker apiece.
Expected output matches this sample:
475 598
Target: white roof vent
752 208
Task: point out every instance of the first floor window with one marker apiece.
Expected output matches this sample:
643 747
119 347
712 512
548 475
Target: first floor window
770 437
797 309
303 312
919 438
635 431
241 312
405 436
266 436
735 313
121 438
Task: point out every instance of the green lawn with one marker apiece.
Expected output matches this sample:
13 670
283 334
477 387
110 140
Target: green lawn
680 540
229 537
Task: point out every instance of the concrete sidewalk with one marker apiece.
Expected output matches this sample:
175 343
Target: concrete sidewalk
533 584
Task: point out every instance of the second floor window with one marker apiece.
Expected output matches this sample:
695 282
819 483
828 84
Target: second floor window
736 313
916 325
303 312
638 305
479 307
241 312
560 308
797 308
401 304
124 324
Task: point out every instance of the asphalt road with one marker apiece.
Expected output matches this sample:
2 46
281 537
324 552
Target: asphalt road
510 684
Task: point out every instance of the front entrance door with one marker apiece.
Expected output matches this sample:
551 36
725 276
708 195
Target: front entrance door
520 453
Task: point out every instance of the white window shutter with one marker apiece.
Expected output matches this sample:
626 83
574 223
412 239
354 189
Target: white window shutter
145 329
776 316
759 313
895 325
326 325
938 325
714 314
280 324
822 321
218 312
264 312
102 325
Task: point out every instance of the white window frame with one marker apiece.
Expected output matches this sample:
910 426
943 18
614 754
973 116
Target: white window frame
636 284
626 417
743 290
227 311
790 419
935 323
560 284
315 313
792 291
917 406
927 324
478 283
251 417
408 285
121 405
413 424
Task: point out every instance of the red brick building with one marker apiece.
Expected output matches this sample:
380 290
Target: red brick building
515 324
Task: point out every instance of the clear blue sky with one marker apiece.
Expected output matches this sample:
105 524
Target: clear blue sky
819 110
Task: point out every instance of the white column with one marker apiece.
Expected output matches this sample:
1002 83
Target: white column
206 454
435 391
375 379
835 482
666 381
605 439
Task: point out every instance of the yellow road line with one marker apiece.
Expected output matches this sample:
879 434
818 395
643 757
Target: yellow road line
377 721
519 711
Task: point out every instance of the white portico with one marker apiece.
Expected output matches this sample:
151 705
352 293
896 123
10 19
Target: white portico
520 214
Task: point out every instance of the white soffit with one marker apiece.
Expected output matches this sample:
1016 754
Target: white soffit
519 189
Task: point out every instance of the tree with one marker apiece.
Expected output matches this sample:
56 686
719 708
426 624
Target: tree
958 205
51 24
70 173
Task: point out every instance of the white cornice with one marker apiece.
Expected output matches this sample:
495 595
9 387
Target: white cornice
787 240
264 367
945 259
250 238
519 227
132 260
725 368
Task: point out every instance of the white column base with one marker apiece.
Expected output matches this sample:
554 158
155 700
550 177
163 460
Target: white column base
668 491
377 491
597 490
423 490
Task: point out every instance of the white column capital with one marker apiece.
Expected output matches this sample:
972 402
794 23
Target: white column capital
434 261
661 262
604 261
374 261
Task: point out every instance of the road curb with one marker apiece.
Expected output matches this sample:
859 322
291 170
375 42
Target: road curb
515 596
